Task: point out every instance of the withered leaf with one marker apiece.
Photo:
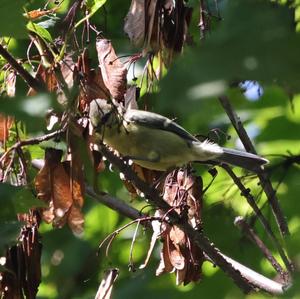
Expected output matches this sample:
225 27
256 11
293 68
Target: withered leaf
183 191
147 175
5 124
176 258
130 98
62 187
7 121
76 220
134 25
91 82
38 13
61 192
10 82
113 70
165 265
48 77
177 236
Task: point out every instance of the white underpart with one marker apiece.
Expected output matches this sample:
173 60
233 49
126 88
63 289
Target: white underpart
207 150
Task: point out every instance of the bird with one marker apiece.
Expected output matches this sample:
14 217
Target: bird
158 143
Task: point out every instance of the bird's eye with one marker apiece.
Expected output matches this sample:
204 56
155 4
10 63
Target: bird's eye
105 117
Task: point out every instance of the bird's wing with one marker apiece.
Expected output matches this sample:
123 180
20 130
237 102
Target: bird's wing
157 121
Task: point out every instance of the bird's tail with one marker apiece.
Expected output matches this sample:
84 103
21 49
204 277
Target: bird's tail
242 159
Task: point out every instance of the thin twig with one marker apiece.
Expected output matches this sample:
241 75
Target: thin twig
200 240
262 175
251 201
123 208
31 81
31 141
249 232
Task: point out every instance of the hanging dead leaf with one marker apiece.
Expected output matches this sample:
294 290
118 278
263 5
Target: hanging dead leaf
176 258
10 84
23 263
48 77
182 191
131 97
112 69
91 82
76 220
62 187
165 265
61 192
5 124
147 175
134 25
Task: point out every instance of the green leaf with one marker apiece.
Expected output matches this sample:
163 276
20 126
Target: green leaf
94 6
31 110
16 200
12 22
40 31
9 232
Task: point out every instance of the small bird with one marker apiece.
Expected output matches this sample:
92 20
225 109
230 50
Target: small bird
158 143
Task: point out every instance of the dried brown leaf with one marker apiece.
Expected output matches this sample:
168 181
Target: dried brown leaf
76 220
38 13
165 265
130 98
61 192
23 263
113 70
177 236
181 275
92 85
176 258
5 124
10 82
48 77
134 25
183 191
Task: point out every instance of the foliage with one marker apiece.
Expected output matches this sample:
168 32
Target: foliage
242 42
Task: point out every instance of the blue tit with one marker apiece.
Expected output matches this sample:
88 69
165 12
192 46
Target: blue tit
156 142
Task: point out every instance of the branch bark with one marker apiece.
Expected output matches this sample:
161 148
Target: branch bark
262 175
246 193
30 80
198 237
242 275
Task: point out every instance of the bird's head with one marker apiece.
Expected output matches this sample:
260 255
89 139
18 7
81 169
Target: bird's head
100 112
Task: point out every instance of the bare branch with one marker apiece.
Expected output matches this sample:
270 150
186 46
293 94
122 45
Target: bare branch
249 232
262 175
252 277
31 81
32 141
251 201
200 240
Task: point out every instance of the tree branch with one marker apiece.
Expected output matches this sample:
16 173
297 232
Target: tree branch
249 232
246 193
247 275
198 238
262 175
31 81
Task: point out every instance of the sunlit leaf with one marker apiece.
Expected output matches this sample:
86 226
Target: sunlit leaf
40 31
